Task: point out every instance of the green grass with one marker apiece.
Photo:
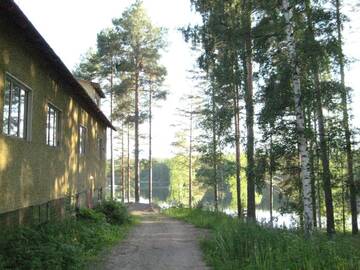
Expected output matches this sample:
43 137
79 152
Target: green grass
70 244
238 245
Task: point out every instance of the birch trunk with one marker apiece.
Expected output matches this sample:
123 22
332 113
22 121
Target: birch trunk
300 125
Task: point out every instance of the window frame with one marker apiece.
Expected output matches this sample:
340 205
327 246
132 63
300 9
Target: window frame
100 145
84 141
58 129
27 111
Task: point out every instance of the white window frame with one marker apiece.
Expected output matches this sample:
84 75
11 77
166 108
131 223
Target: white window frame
57 133
82 150
27 109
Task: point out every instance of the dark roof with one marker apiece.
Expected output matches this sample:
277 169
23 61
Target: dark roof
8 7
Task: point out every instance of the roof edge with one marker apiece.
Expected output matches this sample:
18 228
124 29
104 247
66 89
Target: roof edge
20 19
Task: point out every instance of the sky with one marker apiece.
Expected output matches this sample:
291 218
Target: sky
70 28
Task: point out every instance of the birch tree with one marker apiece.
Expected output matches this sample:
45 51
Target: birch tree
300 123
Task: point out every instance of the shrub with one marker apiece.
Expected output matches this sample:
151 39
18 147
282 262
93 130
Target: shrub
91 215
115 212
67 244
39 247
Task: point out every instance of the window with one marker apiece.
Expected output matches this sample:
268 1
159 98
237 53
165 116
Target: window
82 140
52 126
100 147
16 103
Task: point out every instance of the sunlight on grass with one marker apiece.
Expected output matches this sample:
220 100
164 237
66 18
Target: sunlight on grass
238 245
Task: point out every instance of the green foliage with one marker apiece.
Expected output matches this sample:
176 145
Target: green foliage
91 215
68 244
238 245
178 179
115 212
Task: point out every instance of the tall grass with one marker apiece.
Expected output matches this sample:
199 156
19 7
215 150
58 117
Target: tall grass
69 244
238 245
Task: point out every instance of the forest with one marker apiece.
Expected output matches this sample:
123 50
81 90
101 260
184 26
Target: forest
267 124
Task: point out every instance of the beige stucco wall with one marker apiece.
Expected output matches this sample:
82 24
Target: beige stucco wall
31 172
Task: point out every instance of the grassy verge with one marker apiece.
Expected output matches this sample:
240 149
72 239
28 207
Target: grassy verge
69 244
237 245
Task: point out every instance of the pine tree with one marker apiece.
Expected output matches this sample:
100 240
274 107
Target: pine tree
142 43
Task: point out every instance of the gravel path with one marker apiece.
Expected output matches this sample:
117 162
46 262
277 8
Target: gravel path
157 243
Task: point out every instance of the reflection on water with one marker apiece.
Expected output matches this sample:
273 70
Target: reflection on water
289 221
279 220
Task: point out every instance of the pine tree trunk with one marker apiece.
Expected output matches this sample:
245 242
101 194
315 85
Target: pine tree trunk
312 166
190 155
122 165
300 125
343 205
326 176
150 146
271 167
128 164
312 175
214 151
137 162
237 149
317 176
349 153
249 105
112 167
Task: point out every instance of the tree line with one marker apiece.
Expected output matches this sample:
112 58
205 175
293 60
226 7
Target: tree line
279 65
126 61
270 81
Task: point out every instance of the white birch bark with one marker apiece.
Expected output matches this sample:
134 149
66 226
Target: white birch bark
300 125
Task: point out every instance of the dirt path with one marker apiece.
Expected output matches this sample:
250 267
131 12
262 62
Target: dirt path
157 243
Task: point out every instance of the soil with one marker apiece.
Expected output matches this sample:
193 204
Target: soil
158 243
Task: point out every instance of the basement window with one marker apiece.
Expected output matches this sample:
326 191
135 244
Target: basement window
82 140
52 126
16 106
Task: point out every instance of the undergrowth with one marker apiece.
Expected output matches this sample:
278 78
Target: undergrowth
234 244
67 244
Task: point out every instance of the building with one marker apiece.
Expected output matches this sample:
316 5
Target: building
52 131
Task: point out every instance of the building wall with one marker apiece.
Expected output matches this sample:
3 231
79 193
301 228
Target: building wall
31 172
